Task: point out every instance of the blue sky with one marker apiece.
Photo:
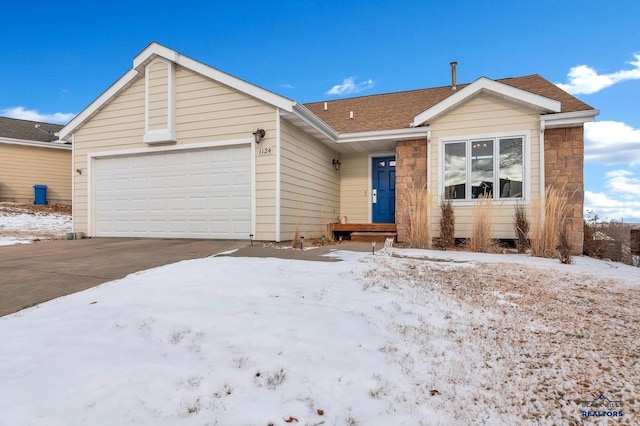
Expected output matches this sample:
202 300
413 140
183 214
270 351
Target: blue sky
57 57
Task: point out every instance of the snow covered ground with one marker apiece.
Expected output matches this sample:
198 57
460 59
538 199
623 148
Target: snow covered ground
405 337
20 224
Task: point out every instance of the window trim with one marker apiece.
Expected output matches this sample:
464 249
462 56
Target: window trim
468 139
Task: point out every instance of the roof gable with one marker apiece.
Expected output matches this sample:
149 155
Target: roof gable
155 50
484 85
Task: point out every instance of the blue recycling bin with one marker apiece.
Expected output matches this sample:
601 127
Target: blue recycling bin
40 196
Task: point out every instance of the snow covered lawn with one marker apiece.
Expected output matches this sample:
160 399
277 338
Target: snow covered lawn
405 337
20 224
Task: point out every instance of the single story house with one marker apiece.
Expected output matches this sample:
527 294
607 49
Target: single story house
176 148
31 154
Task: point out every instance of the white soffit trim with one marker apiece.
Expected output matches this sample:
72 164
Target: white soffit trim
484 84
52 144
381 135
569 119
121 83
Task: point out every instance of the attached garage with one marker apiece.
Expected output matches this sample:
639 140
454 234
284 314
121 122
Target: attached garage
179 193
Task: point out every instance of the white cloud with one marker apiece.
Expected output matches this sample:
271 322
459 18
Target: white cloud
623 182
611 142
607 207
33 115
583 79
349 86
287 86
621 199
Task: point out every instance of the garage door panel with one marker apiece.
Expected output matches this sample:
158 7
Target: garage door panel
197 194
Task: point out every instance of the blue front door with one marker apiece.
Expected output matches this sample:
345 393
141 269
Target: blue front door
383 191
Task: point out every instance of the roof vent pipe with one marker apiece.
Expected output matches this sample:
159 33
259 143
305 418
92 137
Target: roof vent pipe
453 75
350 114
326 106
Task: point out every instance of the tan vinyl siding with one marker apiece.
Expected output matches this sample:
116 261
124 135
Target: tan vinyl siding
158 95
310 186
22 167
487 115
354 188
206 111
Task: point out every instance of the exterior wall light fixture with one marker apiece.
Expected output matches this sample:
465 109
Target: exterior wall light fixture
259 135
336 163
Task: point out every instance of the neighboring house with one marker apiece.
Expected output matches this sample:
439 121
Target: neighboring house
31 154
169 150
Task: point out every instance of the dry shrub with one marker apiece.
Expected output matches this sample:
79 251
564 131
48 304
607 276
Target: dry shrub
607 239
447 225
521 226
480 240
592 245
419 212
564 247
549 222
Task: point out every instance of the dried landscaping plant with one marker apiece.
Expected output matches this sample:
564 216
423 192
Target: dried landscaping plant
480 240
521 225
549 216
419 212
564 247
447 225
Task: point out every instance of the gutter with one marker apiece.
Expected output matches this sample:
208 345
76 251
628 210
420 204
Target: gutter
382 135
53 144
314 121
569 119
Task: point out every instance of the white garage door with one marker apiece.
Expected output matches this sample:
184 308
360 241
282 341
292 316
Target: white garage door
177 194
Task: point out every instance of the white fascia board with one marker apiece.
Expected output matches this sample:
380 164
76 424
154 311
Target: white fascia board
121 83
569 119
314 121
382 135
155 49
484 84
152 50
51 145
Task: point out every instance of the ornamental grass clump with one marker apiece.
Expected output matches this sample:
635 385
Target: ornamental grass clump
549 222
418 202
480 240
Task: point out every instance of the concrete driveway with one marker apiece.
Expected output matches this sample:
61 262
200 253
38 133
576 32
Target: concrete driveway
34 273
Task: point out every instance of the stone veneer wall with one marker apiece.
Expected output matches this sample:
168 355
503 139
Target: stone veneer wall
411 172
564 166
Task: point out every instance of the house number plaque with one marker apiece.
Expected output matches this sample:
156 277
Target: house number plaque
265 150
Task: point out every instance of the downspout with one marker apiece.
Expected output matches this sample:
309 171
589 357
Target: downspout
278 175
429 157
73 183
541 149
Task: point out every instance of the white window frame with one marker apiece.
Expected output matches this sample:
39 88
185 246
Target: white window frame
468 139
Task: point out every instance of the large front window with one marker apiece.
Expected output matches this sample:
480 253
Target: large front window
488 166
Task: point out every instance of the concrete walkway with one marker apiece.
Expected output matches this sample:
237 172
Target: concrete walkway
34 273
